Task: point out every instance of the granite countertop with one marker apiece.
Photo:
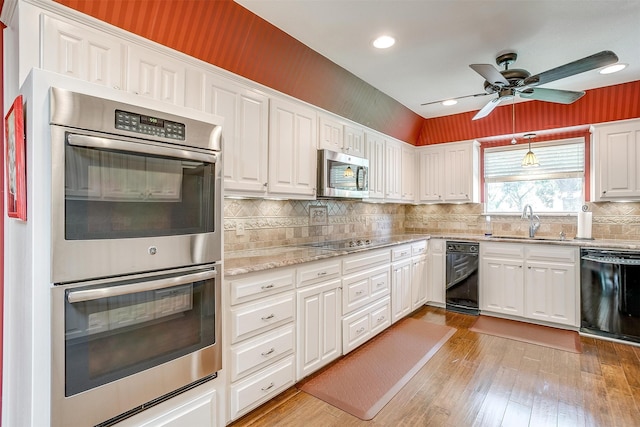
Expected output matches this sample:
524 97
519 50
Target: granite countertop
242 262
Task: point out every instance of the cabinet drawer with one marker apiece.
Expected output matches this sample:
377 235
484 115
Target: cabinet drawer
400 252
361 289
309 274
502 250
551 253
364 324
419 248
361 261
251 319
261 351
262 386
254 286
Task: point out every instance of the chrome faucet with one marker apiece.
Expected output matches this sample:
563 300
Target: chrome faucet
534 220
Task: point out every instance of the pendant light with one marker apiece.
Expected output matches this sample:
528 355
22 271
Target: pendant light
530 158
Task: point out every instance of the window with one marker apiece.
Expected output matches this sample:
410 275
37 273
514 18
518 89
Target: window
555 186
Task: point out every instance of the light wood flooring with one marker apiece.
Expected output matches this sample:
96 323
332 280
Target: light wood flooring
482 380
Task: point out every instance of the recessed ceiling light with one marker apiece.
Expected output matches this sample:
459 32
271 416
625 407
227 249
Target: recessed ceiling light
449 102
384 42
613 68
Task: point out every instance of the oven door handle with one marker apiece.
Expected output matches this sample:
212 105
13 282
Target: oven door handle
116 144
112 291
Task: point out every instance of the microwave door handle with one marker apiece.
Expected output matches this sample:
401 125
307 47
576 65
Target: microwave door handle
358 169
112 291
137 147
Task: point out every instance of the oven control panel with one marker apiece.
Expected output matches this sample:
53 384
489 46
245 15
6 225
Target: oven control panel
148 125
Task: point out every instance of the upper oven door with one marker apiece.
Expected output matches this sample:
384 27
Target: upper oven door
122 205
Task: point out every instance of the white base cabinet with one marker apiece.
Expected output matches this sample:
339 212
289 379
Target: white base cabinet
535 282
436 273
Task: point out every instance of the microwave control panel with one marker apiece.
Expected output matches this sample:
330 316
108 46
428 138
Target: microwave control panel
148 125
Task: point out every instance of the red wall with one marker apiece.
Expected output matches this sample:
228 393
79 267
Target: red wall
2 208
223 33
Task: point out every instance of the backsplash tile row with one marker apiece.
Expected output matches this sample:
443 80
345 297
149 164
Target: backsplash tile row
269 223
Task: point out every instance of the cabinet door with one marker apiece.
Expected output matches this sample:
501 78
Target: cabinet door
375 153
418 282
292 149
616 162
77 51
331 134
408 161
354 141
244 134
393 170
436 272
156 76
458 173
400 290
502 286
550 292
431 174
319 327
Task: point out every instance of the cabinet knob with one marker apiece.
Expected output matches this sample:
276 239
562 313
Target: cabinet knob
604 192
265 184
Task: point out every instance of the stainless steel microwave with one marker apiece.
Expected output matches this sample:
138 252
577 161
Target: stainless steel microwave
342 175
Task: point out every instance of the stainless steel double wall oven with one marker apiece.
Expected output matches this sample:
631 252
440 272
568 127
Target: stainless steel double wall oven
136 249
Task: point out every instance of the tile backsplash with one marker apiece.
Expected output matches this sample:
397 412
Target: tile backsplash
268 223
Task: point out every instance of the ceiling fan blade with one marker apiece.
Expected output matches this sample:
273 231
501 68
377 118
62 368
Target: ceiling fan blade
597 60
488 108
551 95
490 74
459 97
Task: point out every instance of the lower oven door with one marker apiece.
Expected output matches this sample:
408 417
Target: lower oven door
119 345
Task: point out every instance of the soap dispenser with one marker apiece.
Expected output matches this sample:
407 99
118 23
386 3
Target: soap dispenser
488 230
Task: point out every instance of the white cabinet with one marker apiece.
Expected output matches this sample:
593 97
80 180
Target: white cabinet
450 172
375 153
436 273
419 271
393 170
337 135
431 164
81 52
401 302
616 159
536 282
156 76
292 149
244 134
362 325
502 278
261 333
319 302
551 291
408 173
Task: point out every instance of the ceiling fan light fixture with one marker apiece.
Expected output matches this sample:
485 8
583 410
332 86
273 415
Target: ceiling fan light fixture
613 68
384 42
449 102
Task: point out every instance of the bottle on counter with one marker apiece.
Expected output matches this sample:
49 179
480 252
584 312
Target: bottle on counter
488 229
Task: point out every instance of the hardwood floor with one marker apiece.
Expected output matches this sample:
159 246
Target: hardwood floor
482 380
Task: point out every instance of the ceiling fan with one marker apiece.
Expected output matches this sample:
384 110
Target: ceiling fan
511 82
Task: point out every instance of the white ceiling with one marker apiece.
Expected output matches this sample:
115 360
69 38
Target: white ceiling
438 39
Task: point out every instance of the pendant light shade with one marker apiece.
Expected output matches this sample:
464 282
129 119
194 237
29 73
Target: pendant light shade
530 158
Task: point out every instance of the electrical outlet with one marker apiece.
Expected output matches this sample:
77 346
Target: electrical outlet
240 228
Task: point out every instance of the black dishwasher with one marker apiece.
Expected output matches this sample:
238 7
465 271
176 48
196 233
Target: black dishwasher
462 277
610 293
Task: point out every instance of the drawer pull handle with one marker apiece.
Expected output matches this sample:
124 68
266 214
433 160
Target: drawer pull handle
269 286
269 387
359 292
380 319
322 273
266 353
380 284
269 317
359 331
404 253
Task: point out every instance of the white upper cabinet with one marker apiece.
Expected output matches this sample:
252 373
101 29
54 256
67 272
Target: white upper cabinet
450 172
244 134
156 76
393 170
375 153
408 173
336 134
292 149
616 159
78 51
